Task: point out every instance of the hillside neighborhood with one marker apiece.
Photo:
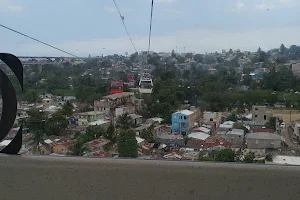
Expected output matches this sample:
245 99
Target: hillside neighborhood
231 106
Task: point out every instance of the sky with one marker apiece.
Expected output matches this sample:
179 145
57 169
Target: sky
94 27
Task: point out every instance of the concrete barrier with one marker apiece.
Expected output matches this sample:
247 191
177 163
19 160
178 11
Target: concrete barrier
64 178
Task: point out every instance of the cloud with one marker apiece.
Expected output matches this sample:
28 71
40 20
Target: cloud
270 4
173 11
9 6
211 41
237 7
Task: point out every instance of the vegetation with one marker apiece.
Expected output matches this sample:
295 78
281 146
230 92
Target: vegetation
249 158
226 155
56 124
127 144
147 134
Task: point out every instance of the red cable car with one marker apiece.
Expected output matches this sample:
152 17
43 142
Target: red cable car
117 87
130 77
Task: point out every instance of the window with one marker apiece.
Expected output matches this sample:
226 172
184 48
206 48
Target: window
265 117
256 108
255 116
184 117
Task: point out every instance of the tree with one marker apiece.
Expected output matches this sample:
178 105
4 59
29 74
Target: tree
232 117
67 109
94 132
35 123
226 155
78 148
127 144
31 96
271 124
110 133
249 158
173 54
124 122
198 58
147 134
56 124
240 126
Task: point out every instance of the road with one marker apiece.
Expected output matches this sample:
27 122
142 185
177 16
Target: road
62 178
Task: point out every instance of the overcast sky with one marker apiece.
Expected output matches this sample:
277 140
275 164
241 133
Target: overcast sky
85 27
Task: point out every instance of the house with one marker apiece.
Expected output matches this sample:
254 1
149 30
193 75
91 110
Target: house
235 137
215 117
260 115
88 117
226 126
183 121
137 120
263 140
117 104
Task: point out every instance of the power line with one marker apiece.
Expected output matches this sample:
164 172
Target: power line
151 16
122 19
38 41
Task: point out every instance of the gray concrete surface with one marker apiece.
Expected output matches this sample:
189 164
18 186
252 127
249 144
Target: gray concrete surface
64 178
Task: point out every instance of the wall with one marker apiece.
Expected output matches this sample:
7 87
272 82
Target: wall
177 119
75 178
262 144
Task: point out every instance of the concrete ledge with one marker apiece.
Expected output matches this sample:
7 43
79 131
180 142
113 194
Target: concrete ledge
62 178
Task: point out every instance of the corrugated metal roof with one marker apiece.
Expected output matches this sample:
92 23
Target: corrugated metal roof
198 135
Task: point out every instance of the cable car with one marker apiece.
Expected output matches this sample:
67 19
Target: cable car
117 87
146 84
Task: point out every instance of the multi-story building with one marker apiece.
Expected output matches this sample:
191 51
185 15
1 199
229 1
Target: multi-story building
116 104
88 117
260 115
183 121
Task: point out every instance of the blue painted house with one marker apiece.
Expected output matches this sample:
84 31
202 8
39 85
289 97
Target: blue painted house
183 121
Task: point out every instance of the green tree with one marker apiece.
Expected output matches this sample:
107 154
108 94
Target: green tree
271 124
249 158
240 126
124 122
147 134
31 96
36 124
95 132
198 58
56 124
67 109
110 133
79 148
127 144
226 155
232 117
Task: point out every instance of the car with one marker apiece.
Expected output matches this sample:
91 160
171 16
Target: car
282 125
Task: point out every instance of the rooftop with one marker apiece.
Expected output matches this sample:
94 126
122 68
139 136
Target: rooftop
263 136
91 113
118 96
185 112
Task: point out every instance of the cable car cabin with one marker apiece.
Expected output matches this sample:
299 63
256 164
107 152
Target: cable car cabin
117 87
130 77
146 86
